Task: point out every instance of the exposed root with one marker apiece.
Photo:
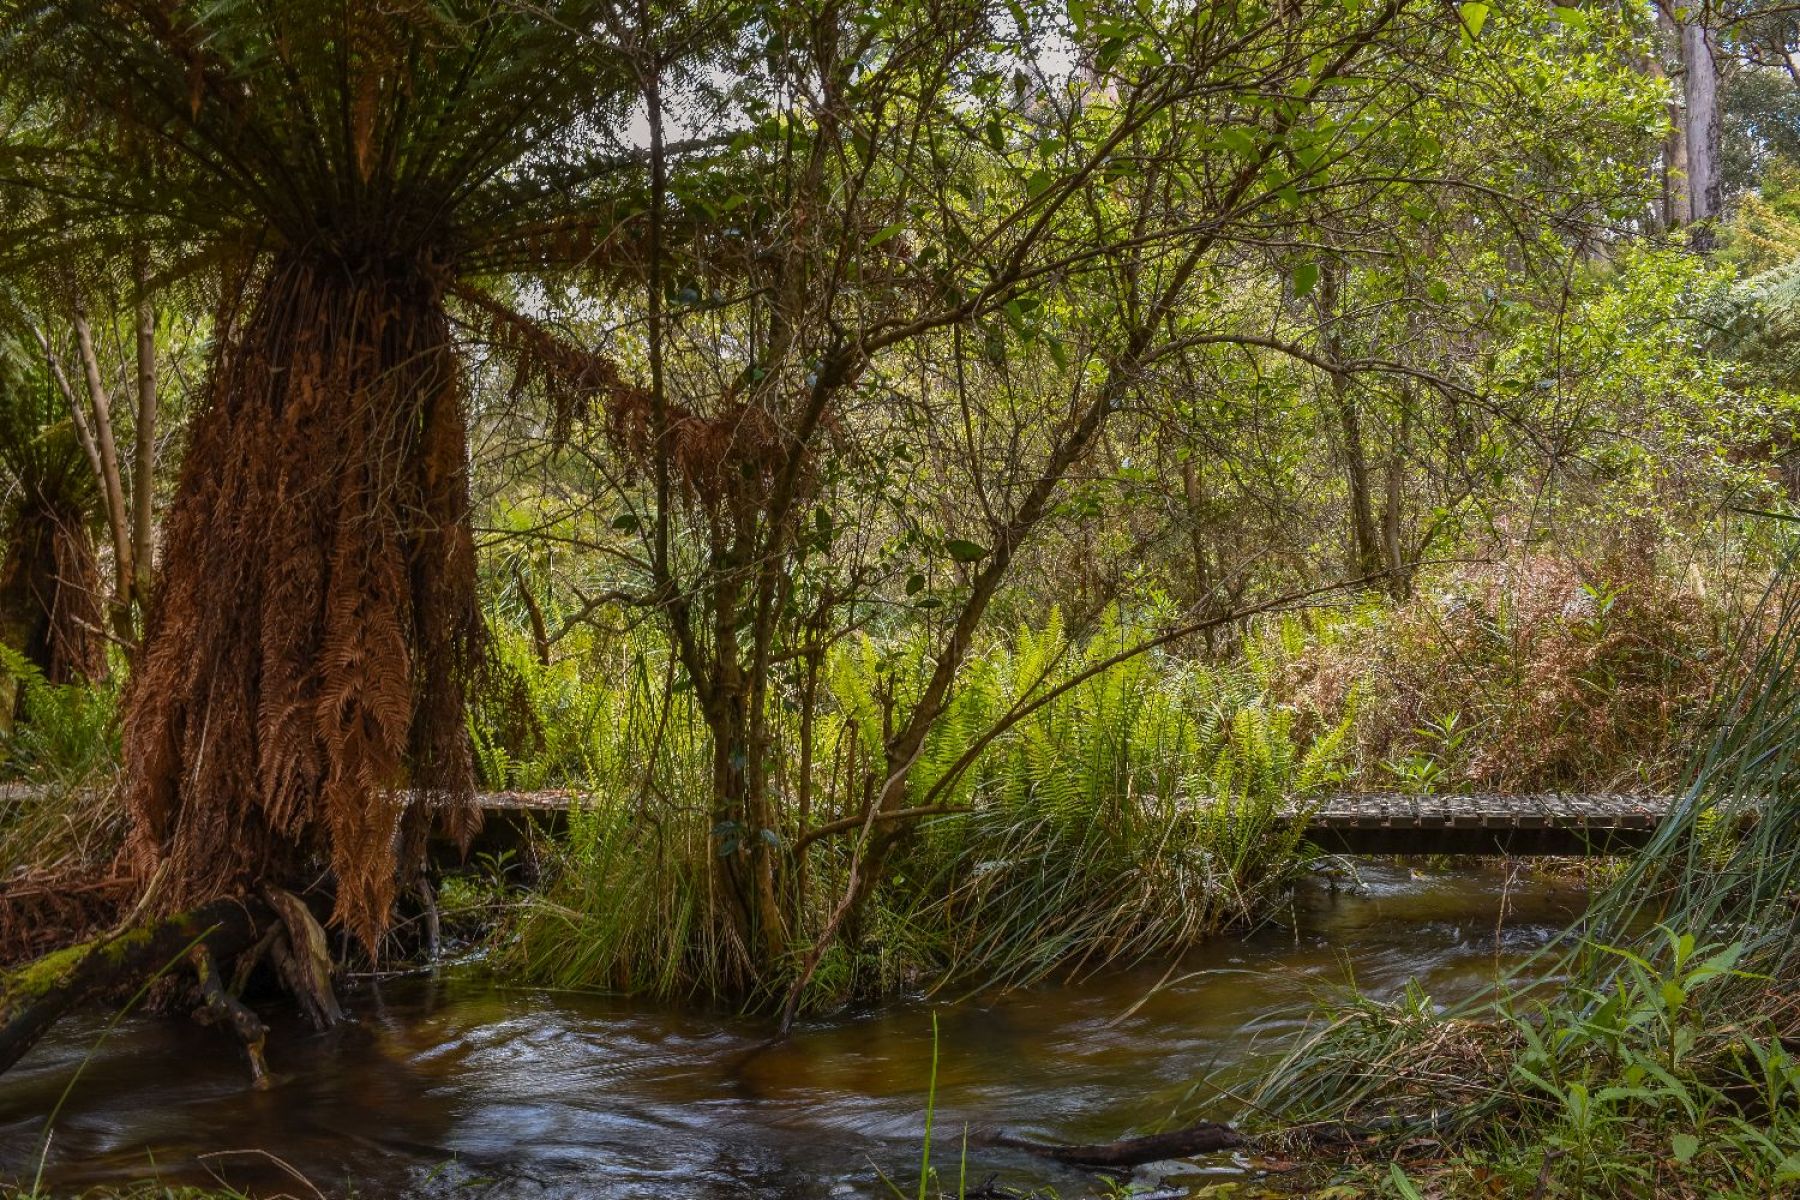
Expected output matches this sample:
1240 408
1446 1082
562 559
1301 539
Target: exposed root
433 923
34 997
222 1006
303 959
1202 1137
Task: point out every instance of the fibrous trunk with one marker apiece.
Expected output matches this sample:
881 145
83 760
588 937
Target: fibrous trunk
50 591
300 701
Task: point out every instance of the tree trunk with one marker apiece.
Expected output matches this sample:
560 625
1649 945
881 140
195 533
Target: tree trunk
1700 96
1365 538
1393 498
540 633
1366 550
744 862
143 479
112 480
298 706
50 590
1675 209
1200 559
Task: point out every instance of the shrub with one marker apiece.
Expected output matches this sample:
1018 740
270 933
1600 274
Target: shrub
1536 675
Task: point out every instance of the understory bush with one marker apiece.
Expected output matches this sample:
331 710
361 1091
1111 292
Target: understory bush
1533 674
61 751
1067 821
1133 814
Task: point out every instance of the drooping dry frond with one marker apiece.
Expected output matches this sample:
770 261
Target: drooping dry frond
726 461
306 653
299 704
50 585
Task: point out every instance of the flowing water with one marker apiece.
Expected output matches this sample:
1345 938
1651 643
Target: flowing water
459 1086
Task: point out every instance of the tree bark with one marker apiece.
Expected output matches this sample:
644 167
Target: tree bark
1393 499
540 634
1365 538
112 481
1366 552
78 416
1700 96
1675 210
745 865
1201 575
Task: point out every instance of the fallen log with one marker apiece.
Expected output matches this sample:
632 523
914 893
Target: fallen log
35 996
1202 1137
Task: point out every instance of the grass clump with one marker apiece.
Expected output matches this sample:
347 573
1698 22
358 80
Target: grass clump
60 823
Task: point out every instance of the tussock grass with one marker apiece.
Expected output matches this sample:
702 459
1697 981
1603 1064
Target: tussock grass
61 823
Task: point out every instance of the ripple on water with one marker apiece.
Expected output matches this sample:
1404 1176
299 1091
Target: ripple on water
456 1086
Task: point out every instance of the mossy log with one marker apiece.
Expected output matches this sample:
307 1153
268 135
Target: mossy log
35 996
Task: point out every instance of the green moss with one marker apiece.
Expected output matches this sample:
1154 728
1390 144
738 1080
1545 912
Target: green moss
53 970
43 976
148 1190
119 948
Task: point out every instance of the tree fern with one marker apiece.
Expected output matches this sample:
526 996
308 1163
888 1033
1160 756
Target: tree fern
1758 323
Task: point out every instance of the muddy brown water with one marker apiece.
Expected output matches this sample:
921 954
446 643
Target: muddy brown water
458 1086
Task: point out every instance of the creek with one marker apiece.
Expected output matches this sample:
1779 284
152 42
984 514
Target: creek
459 1085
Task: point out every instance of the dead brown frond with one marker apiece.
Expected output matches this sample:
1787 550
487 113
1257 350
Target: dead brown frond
50 590
726 462
308 651
43 910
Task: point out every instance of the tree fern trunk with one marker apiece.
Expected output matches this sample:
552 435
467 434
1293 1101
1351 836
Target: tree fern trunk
315 616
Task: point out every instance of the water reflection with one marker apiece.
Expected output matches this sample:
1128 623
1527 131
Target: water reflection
459 1086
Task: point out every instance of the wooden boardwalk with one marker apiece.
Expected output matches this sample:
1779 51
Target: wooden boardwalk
1362 823
1549 823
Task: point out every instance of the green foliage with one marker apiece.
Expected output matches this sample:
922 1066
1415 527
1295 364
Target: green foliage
337 131
629 906
65 733
1133 814
63 748
1759 324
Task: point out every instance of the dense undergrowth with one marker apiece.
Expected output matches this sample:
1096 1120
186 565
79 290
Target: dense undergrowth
1135 813
1130 815
1664 1061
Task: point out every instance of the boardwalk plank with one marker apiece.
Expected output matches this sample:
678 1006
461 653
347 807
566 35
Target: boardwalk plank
1377 822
